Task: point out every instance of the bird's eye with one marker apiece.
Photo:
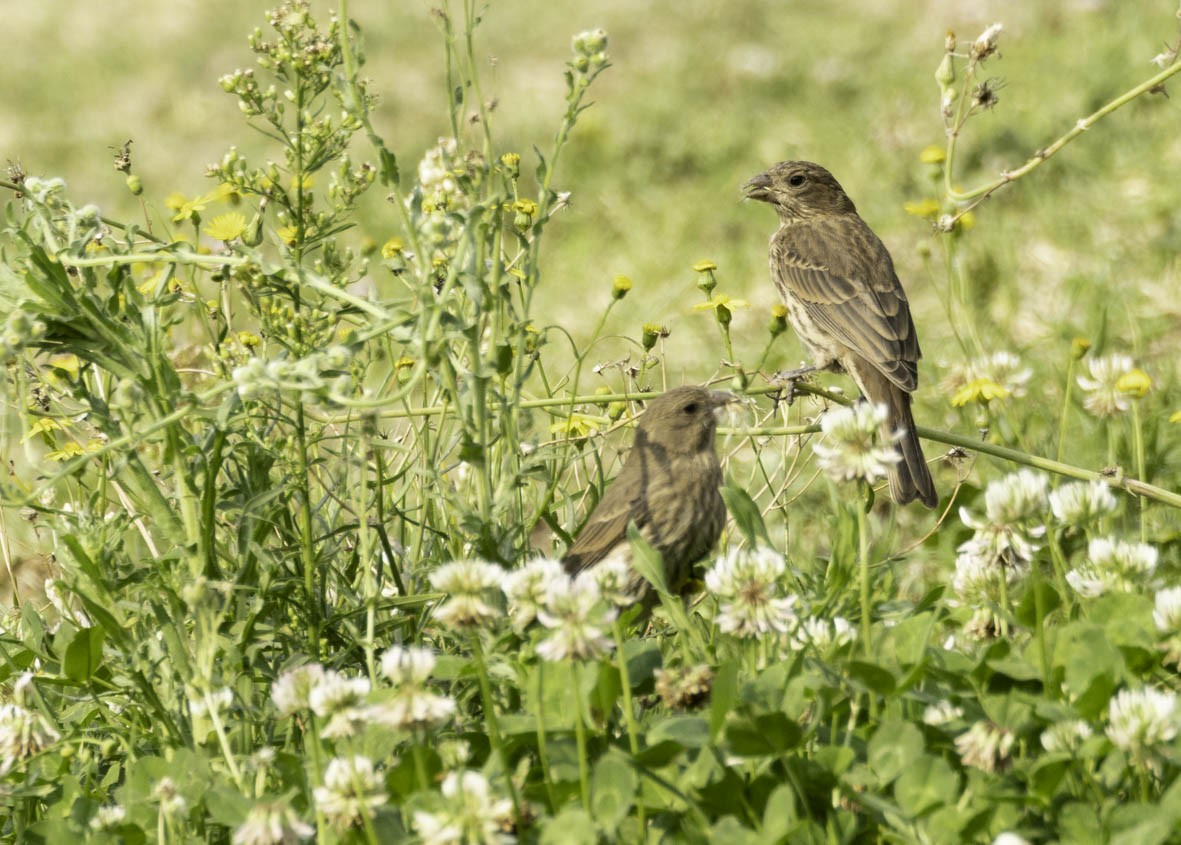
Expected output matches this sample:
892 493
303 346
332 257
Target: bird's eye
691 408
796 179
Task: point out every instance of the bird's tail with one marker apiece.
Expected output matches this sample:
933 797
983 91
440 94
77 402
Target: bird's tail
909 479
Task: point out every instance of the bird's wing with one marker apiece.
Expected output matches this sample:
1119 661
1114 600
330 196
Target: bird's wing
607 526
842 276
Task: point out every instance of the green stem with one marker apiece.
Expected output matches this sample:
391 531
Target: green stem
1138 448
1065 408
490 721
542 743
580 738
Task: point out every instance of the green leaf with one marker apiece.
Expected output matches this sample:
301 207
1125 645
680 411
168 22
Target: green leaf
613 790
927 783
723 697
1090 666
83 654
747 517
647 561
768 733
871 676
685 731
894 746
1026 611
572 826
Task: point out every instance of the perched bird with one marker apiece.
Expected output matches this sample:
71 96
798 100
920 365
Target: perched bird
846 304
668 487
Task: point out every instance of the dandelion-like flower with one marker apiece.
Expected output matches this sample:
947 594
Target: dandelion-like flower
941 712
1080 502
750 601
986 43
1139 719
1066 735
341 701
851 449
527 588
997 376
23 733
352 790
985 746
472 814
413 706
577 618
1104 398
1167 610
1113 565
473 589
290 692
272 823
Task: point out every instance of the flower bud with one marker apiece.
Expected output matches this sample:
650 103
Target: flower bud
1079 347
620 287
134 184
778 324
651 333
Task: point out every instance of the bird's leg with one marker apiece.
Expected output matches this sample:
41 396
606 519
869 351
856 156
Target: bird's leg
786 381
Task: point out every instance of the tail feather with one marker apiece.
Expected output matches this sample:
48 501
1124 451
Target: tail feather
909 479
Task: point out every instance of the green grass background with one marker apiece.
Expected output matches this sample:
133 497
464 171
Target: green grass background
701 96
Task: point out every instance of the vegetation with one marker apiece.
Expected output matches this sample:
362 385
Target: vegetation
296 451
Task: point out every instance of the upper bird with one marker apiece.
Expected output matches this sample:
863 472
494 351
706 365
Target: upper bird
846 304
668 486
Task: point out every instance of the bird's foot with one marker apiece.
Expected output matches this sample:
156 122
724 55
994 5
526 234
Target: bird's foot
786 380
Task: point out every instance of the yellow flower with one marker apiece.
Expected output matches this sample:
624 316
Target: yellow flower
1079 347
620 287
1175 417
1135 383
933 155
67 363
189 208
528 207
922 208
704 266
44 425
392 248
174 201
67 451
287 233
575 426
405 362
982 390
720 301
226 227
249 339
967 220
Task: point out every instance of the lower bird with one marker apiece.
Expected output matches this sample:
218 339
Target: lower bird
846 304
669 487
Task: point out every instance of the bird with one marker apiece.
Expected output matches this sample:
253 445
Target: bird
846 304
669 487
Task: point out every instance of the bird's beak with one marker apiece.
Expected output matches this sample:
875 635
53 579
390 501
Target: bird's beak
720 399
758 188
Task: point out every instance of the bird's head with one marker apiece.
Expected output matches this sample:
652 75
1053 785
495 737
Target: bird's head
684 419
798 190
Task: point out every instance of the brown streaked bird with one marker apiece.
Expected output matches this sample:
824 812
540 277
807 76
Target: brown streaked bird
846 304
669 487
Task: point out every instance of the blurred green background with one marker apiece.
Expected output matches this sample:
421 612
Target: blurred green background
702 94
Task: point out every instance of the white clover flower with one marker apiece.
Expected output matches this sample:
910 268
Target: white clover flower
413 706
1104 397
352 789
23 733
1016 497
341 701
471 814
526 589
1113 566
941 712
272 823
851 449
822 633
577 618
218 700
616 581
290 692
1167 610
985 746
472 587
172 803
1080 502
108 816
1066 736
1140 719
750 597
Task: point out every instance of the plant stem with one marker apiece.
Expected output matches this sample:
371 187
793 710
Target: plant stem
491 722
580 738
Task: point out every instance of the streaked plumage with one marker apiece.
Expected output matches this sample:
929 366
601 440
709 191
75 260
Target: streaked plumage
669 486
845 302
